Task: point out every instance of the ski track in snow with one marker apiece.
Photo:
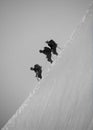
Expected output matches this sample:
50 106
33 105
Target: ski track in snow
61 52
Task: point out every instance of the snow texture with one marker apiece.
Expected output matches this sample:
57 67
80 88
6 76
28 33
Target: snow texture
63 99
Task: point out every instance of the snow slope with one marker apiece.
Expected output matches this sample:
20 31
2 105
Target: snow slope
64 98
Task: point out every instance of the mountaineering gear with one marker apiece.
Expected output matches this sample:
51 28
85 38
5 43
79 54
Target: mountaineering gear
53 45
47 52
38 70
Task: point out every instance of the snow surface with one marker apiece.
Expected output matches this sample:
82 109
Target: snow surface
63 100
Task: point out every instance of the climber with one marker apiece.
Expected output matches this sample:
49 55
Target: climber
38 70
53 45
47 52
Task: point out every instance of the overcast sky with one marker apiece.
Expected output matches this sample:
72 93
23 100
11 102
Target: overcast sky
24 27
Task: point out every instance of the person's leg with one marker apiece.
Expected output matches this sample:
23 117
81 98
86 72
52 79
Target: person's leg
49 58
40 74
54 51
36 73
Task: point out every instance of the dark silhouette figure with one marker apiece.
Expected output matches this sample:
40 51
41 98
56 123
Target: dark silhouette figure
47 52
53 45
38 70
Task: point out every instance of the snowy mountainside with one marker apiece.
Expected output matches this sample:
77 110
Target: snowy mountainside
64 100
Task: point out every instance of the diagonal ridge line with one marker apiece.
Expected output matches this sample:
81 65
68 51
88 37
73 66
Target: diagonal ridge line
25 103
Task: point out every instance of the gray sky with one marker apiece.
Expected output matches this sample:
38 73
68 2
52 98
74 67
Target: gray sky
24 27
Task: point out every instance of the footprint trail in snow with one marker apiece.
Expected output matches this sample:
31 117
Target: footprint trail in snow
60 53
